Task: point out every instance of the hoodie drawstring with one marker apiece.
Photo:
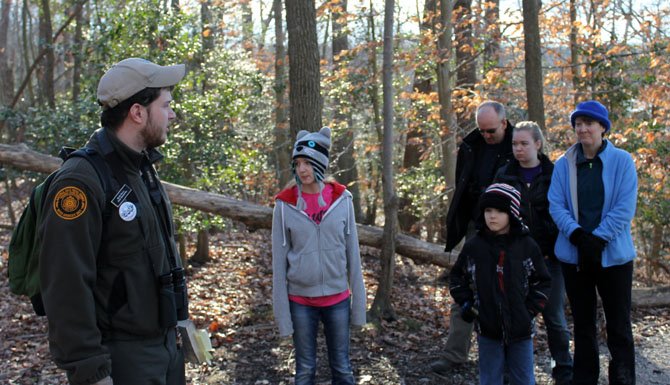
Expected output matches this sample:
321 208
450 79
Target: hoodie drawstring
348 216
283 227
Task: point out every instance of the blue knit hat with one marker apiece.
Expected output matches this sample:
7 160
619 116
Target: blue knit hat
314 147
594 110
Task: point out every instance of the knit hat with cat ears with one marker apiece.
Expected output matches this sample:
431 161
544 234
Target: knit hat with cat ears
314 147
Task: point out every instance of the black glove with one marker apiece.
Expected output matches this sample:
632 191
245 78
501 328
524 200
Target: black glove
589 250
578 236
534 308
468 312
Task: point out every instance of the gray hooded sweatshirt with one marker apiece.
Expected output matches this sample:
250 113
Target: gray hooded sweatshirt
315 260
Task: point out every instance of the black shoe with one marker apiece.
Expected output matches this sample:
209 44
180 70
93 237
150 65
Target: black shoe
562 375
443 367
443 279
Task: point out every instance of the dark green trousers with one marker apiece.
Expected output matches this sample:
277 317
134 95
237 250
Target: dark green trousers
153 361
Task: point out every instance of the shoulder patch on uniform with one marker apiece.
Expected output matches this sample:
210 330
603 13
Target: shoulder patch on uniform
70 203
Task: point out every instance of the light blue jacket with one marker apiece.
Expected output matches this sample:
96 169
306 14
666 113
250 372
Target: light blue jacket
314 260
620 182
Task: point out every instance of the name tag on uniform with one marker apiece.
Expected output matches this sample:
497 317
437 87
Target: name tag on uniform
121 195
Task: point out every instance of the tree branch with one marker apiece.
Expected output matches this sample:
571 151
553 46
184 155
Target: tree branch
40 55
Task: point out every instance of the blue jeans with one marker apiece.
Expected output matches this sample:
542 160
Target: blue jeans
494 357
557 327
335 321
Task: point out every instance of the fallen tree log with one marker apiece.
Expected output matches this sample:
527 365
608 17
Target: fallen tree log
651 296
253 215
258 216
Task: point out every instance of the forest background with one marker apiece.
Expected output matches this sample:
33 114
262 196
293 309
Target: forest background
398 99
239 106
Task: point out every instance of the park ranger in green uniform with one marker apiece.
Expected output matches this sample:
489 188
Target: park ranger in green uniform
110 273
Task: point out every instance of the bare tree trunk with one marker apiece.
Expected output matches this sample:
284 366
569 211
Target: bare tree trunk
444 75
6 72
324 45
628 15
343 145
16 134
208 26
38 58
181 241
10 199
654 257
46 71
374 68
25 39
370 216
574 54
466 76
533 60
373 92
382 306
448 124
201 254
78 43
265 25
282 134
247 26
304 76
492 24
415 144
208 31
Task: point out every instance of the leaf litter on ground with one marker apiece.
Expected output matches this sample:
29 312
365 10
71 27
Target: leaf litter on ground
231 296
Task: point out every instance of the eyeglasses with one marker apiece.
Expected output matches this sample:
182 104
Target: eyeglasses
489 131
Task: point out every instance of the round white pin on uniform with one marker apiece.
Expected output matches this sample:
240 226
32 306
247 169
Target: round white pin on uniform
127 211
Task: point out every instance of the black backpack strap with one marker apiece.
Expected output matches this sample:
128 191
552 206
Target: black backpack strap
65 152
114 162
102 169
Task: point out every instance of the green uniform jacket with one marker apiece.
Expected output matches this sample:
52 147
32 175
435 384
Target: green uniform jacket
99 277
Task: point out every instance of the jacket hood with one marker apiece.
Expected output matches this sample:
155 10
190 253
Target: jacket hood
290 195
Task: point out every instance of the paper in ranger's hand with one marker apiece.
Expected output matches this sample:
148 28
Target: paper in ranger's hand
195 342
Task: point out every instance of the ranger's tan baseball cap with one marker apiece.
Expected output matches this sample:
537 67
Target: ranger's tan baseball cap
130 76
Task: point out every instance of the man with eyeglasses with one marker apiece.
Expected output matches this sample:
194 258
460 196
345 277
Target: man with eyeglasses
481 153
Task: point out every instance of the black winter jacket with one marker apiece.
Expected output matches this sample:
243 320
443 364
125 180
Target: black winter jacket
98 274
508 300
466 194
534 202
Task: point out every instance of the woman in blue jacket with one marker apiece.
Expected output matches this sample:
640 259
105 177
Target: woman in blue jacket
592 199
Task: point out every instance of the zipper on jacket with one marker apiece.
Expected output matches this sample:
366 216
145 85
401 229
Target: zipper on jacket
318 242
535 184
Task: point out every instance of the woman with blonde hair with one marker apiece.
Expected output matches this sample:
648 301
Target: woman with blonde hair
530 173
316 262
